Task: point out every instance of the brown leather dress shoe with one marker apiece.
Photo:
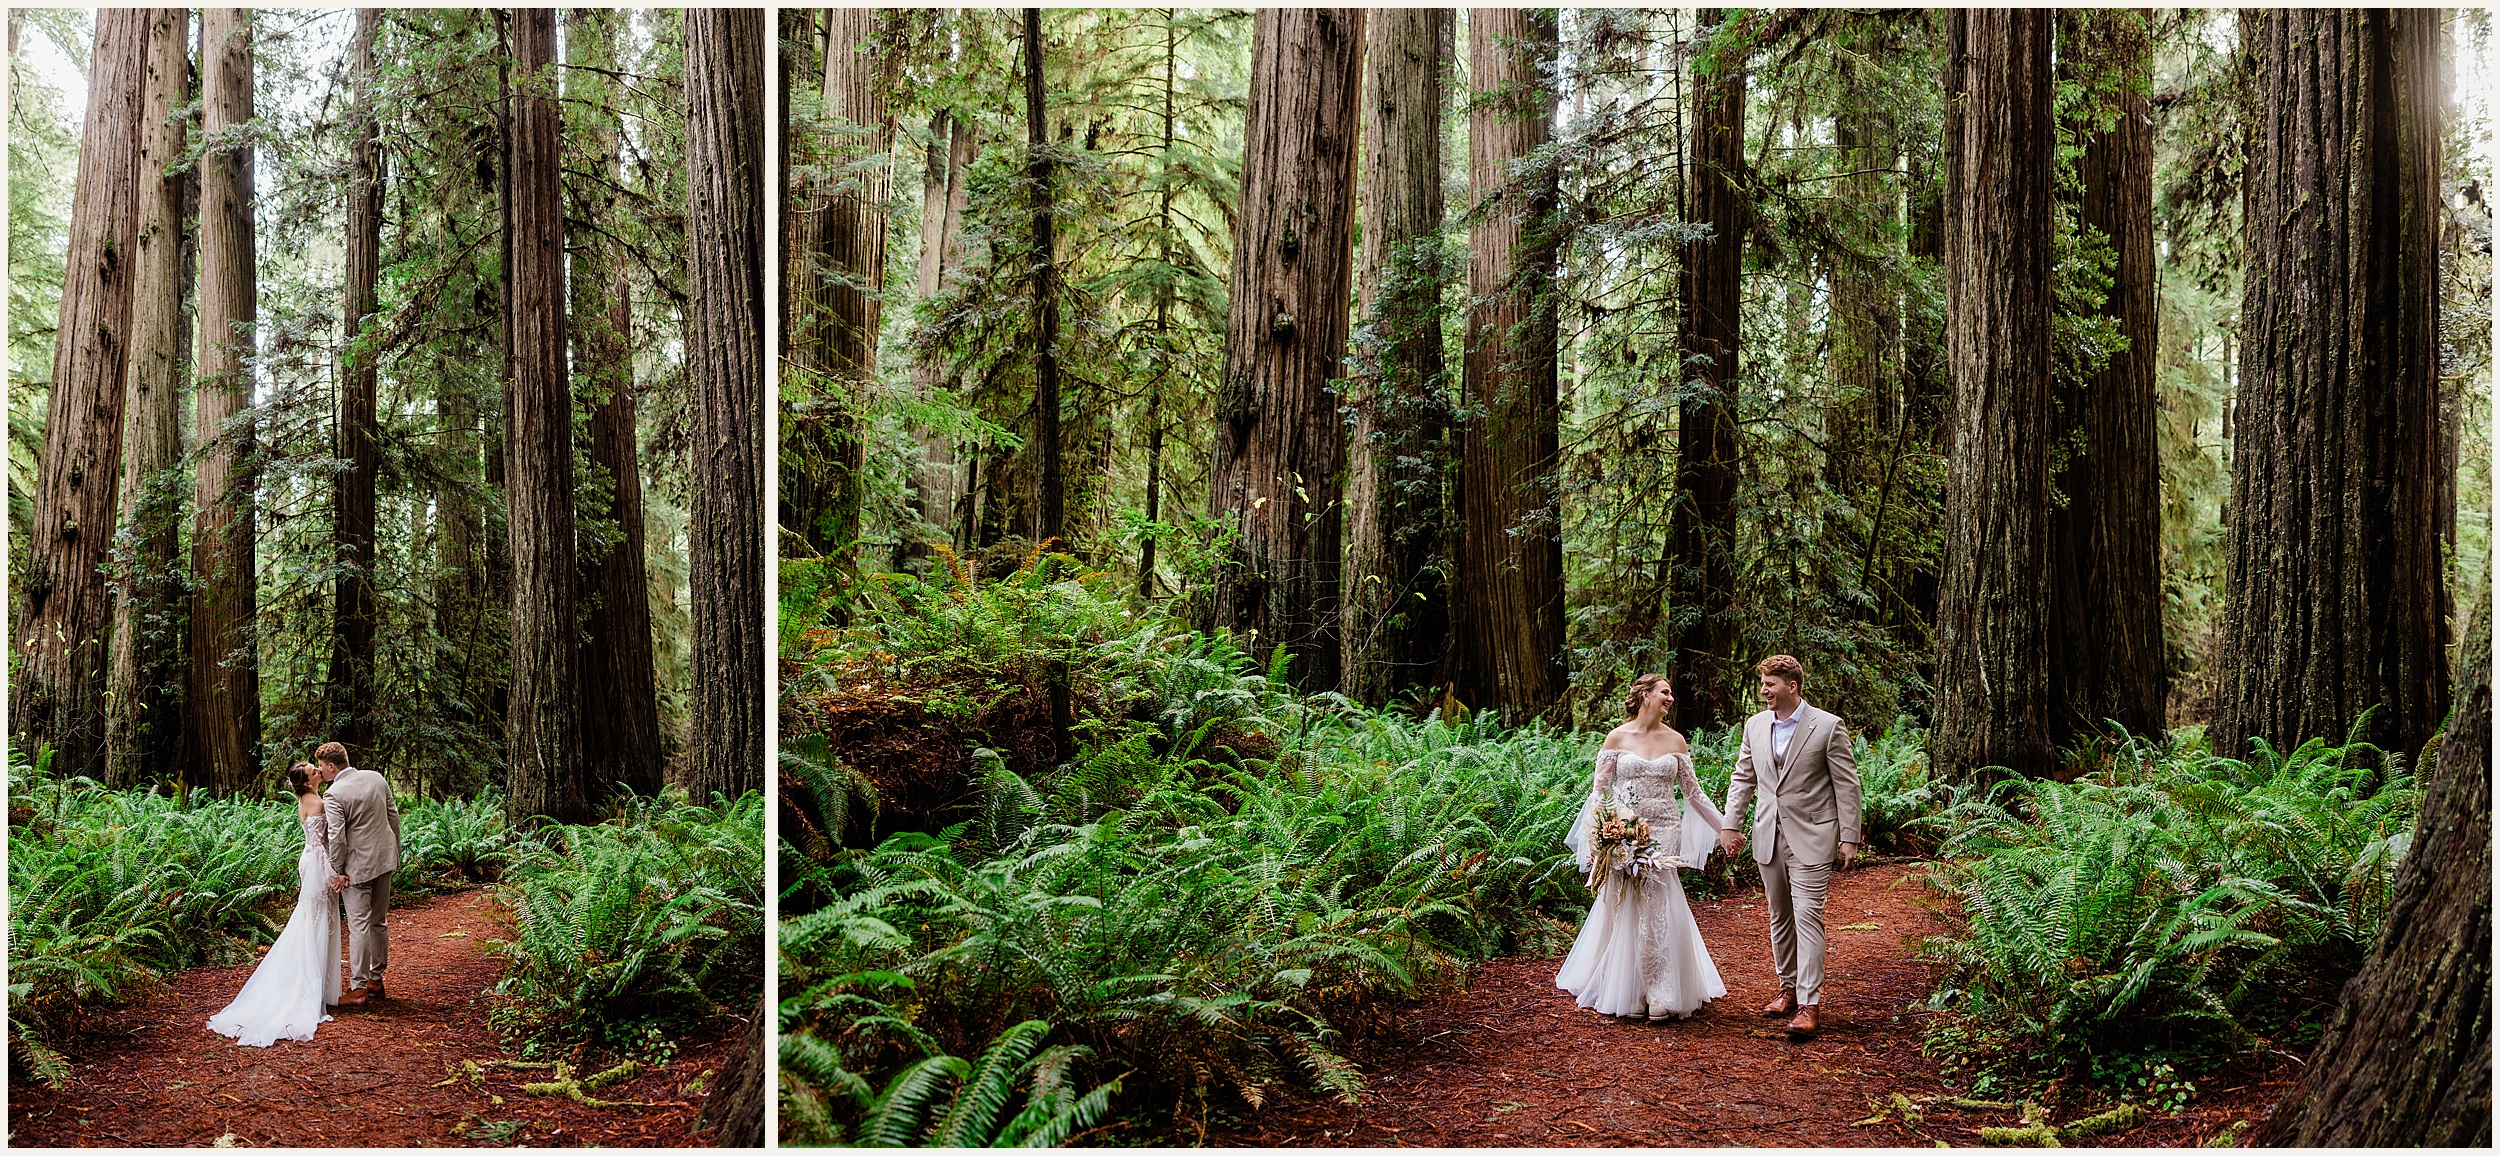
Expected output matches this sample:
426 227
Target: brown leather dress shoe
374 991
1786 1004
1804 1026
354 997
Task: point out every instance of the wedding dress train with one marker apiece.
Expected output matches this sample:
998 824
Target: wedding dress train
1640 953
285 998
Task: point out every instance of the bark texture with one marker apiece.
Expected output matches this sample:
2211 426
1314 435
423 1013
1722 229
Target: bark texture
621 743
1278 443
2106 662
143 721
725 370
542 727
57 695
841 281
733 1111
1050 495
1509 580
2406 1059
2340 495
224 699
1702 618
359 444
1991 621
1396 624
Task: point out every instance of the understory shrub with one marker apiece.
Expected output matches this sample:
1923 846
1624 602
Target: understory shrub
651 920
2169 903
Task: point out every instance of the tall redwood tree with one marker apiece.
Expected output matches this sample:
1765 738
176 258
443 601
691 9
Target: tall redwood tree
224 699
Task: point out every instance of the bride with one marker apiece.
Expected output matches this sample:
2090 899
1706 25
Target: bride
1640 953
300 976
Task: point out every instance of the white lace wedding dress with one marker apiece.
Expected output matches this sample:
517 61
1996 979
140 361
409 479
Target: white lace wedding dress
1640 953
285 998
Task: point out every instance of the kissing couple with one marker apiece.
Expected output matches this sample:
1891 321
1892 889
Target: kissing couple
1640 954
351 850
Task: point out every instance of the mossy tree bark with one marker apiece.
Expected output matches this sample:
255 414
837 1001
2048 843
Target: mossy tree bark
2104 636
143 722
1279 446
1050 492
1509 573
2341 495
1701 612
542 728
56 695
725 372
224 699
1991 620
1396 625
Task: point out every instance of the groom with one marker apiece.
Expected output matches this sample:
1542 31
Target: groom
1808 816
364 848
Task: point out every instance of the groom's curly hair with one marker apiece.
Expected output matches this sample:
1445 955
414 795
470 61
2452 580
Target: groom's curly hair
1785 667
334 754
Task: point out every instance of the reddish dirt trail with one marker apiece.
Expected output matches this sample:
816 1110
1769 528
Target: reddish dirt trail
157 1076
1512 1061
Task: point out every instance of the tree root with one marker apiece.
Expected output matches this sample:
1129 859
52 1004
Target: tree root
2228 1137
475 1070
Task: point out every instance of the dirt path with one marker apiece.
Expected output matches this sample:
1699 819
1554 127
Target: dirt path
157 1076
1512 1061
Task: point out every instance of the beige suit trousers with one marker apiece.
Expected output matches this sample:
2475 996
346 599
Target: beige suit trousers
368 930
1793 892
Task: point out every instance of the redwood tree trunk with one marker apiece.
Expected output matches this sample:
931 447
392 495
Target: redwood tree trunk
143 719
620 703
2104 636
725 374
945 192
351 656
56 695
734 1109
1702 620
1278 444
834 332
542 729
1396 611
1991 621
224 698
2406 1059
2339 491
1050 506
1509 580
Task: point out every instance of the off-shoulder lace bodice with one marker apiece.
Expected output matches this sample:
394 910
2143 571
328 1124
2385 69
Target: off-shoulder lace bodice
317 842
1653 786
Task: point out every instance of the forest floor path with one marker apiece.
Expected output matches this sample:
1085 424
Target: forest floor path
379 1075
1513 1061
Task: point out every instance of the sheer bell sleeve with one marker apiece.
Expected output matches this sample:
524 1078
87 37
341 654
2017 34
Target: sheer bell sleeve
1586 825
1702 822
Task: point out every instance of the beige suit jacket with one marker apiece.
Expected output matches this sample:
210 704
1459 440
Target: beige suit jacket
363 820
1809 798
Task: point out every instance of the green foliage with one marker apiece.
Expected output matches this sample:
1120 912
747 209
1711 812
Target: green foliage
909 1110
654 918
1218 887
2169 897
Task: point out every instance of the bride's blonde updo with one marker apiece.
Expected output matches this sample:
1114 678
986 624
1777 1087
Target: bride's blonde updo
1639 691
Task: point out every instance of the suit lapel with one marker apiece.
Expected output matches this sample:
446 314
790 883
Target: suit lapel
1808 719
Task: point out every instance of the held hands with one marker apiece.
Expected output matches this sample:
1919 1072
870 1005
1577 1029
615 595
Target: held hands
1731 841
338 883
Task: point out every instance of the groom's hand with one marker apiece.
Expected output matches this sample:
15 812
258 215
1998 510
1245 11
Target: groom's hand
1848 855
1731 841
338 883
